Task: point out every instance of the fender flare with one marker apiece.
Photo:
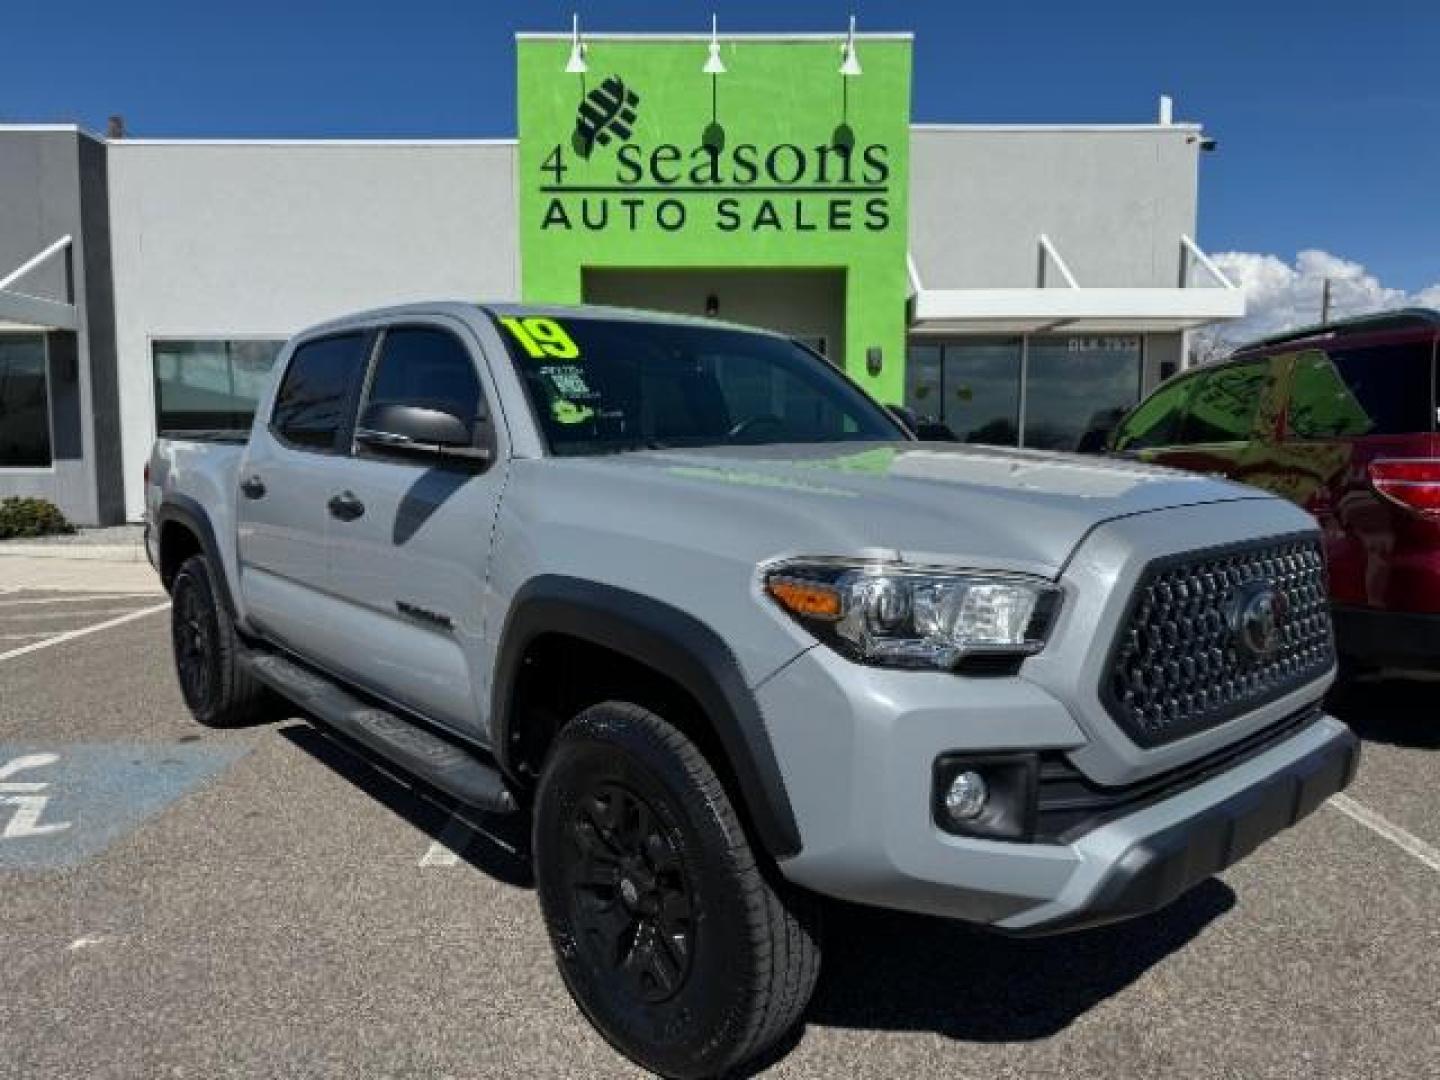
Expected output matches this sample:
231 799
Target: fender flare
672 642
183 510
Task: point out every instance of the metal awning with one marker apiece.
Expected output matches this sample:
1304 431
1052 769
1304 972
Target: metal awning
1071 308
21 311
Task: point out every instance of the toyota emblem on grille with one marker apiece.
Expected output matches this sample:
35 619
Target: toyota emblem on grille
1257 613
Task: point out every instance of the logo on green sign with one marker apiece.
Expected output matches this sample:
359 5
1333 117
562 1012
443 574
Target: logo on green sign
607 110
835 186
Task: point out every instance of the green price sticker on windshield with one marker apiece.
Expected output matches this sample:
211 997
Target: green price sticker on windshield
542 339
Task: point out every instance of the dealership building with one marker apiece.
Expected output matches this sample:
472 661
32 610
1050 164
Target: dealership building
1021 283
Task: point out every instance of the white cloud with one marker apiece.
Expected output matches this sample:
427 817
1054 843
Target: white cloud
1281 295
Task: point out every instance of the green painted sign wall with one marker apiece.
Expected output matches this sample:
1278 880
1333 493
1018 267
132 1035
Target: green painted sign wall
647 162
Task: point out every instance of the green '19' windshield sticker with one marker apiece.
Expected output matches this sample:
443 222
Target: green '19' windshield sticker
541 338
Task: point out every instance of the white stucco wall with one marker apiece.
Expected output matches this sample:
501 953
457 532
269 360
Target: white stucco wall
1114 201
212 240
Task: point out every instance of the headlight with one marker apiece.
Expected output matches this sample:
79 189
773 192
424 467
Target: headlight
897 616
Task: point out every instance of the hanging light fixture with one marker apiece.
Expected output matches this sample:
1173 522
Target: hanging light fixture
713 64
576 64
849 62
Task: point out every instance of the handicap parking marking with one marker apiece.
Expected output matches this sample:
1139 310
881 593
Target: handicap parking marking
62 804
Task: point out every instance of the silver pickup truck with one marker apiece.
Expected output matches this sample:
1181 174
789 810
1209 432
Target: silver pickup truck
737 641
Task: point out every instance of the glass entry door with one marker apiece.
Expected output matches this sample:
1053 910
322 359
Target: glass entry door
973 386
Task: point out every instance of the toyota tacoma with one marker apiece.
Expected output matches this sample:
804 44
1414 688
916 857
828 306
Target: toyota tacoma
735 641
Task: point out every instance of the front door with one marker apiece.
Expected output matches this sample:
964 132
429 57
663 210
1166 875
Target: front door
1228 427
410 547
284 483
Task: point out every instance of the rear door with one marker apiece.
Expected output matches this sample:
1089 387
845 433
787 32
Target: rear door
410 555
1348 404
285 478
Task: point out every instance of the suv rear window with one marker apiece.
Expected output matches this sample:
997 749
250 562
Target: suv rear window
1376 390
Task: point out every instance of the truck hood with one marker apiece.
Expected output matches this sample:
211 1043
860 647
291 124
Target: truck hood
920 502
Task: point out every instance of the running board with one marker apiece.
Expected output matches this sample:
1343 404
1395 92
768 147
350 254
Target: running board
442 764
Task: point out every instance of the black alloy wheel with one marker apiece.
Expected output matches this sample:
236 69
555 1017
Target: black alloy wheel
687 953
210 659
630 896
192 628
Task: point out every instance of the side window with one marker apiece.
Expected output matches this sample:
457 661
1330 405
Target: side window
1156 420
1225 403
1380 390
426 366
312 404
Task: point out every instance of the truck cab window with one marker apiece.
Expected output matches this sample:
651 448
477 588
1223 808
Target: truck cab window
422 365
311 405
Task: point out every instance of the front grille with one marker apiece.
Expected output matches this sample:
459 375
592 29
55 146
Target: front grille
1184 662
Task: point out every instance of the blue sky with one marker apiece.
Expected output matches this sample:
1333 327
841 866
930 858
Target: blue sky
1327 115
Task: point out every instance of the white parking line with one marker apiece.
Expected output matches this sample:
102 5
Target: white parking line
1407 842
40 616
94 598
450 845
71 635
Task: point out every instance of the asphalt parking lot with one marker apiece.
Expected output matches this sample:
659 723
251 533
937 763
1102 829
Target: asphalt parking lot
182 902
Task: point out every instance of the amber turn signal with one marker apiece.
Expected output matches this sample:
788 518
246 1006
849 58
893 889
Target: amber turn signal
808 599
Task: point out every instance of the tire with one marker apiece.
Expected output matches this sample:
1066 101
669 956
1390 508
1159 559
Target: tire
671 940
216 685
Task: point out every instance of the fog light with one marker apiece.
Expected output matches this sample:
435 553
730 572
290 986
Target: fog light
966 796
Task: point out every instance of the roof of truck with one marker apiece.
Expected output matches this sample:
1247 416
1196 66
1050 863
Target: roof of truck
466 308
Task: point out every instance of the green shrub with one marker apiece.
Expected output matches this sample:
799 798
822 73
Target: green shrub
31 517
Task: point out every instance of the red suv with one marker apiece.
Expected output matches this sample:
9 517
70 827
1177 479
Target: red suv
1342 420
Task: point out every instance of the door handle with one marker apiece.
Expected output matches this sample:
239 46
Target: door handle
252 487
346 506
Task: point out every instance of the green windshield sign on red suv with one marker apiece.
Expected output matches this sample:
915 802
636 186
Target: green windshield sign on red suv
647 162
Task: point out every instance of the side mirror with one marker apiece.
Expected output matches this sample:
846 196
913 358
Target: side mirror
424 430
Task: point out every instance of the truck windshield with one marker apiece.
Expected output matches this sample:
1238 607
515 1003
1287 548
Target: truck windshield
602 385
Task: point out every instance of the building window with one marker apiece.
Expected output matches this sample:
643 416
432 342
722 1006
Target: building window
209 385
972 385
24 402
1073 387
1078 385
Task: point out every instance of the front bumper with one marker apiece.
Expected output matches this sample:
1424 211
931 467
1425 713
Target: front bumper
1160 866
857 755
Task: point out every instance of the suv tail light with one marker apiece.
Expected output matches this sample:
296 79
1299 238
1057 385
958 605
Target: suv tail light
1413 483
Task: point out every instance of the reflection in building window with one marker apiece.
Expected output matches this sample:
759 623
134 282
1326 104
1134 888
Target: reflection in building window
24 402
1078 385
210 385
